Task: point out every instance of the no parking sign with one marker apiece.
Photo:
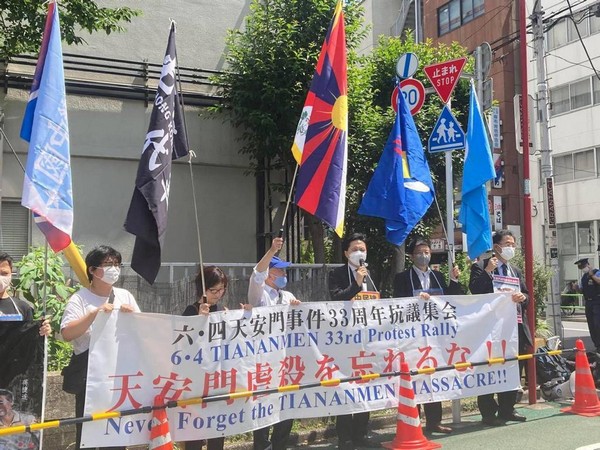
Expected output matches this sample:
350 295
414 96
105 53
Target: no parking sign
414 94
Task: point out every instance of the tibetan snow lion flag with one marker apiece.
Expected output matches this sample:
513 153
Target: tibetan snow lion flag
321 143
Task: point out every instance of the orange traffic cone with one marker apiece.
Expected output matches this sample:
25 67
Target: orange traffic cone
160 437
409 434
586 397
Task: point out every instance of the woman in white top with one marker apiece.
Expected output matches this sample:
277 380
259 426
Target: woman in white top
103 269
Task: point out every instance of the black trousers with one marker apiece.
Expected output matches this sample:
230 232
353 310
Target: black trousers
211 444
79 407
592 316
504 407
433 413
279 437
352 427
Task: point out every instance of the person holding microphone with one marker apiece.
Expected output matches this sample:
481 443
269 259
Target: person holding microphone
352 281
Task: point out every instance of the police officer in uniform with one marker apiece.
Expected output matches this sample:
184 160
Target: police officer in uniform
590 288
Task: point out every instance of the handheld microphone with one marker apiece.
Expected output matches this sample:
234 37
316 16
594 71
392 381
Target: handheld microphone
361 263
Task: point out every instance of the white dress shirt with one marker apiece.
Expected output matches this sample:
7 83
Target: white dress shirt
261 294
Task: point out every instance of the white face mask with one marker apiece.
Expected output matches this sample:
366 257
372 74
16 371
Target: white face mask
507 253
355 257
110 275
586 269
5 282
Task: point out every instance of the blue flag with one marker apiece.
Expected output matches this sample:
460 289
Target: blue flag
479 169
47 190
401 189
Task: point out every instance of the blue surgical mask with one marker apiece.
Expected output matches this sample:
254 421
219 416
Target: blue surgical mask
280 282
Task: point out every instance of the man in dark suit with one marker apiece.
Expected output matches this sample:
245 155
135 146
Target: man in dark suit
481 282
345 283
421 281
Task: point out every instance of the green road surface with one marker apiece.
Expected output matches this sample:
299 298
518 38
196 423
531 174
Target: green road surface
546 428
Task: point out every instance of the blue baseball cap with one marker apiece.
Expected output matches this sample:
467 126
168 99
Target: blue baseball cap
277 263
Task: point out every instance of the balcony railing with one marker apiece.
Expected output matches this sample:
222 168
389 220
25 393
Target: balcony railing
116 78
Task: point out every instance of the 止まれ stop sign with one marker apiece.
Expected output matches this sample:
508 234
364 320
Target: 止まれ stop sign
414 94
444 76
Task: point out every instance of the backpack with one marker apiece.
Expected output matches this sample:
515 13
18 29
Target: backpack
551 367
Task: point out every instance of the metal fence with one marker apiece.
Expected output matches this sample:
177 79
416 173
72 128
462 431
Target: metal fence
175 288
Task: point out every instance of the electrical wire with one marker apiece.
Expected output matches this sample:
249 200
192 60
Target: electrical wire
572 17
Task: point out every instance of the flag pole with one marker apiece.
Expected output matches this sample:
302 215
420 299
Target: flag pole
289 200
191 155
451 261
71 253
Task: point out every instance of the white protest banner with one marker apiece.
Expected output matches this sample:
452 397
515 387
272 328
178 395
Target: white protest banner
134 357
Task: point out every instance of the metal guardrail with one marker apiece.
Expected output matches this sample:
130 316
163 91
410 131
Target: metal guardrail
175 288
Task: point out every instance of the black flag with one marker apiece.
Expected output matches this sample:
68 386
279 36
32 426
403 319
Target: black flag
166 140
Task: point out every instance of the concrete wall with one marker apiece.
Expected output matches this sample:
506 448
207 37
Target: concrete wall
106 141
201 29
107 136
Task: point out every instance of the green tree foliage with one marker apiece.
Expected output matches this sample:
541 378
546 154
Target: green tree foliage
22 23
271 63
371 83
57 290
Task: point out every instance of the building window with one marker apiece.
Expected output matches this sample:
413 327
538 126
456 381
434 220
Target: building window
467 10
580 94
596 89
559 100
594 24
582 26
563 168
585 237
557 35
571 96
566 239
563 31
14 229
583 163
478 8
443 20
576 166
455 13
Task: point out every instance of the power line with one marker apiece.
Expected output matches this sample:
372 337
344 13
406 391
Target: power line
572 17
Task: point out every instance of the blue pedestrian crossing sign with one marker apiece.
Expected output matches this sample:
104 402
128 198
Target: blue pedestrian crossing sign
447 134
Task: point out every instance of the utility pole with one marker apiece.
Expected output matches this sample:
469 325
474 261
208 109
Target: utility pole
550 232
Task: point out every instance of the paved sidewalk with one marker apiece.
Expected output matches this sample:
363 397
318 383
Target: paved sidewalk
546 428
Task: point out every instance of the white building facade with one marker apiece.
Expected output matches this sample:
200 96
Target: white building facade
574 127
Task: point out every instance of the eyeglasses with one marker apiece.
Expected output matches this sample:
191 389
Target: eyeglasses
109 264
217 291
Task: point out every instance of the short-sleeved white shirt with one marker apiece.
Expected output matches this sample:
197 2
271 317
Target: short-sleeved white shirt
261 294
85 301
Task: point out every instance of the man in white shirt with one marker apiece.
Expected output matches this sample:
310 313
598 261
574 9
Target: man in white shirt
268 280
266 289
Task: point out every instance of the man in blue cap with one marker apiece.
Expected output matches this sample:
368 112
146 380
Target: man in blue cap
266 289
268 280
590 288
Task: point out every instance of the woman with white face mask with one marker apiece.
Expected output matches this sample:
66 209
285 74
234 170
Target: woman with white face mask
103 268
